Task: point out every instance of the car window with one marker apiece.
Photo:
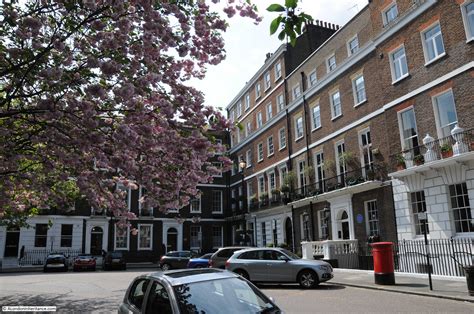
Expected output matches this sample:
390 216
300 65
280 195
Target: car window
279 256
116 255
158 300
172 254
137 293
184 254
249 255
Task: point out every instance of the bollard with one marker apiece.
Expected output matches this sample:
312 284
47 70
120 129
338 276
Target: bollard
384 271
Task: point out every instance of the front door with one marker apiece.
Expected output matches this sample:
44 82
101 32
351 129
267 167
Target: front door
345 230
172 240
96 240
289 233
11 243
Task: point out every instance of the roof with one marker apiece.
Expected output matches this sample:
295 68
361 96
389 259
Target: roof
185 276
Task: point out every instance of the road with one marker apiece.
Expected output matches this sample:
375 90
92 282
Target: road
103 291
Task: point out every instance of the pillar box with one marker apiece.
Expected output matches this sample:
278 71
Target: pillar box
384 271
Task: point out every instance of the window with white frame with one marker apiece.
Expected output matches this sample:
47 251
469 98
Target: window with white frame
353 45
216 201
312 78
358 88
267 81
306 227
301 174
468 19
408 130
418 206
372 218
261 185
258 90
331 63
145 237
341 167
260 152
271 181
121 238
241 198
336 108
259 120
248 158
461 208
398 64
282 138
280 102
298 127
248 128
390 13
231 115
365 144
270 146
247 102
315 117
269 111
323 218
233 195
239 109
319 170
195 204
249 191
296 91
218 166
264 234
433 45
196 237
238 135
277 71
445 113
217 240
127 194
283 174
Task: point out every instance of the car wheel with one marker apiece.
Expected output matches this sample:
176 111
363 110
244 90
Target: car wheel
165 267
242 273
308 279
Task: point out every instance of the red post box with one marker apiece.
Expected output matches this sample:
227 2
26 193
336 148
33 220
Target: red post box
384 271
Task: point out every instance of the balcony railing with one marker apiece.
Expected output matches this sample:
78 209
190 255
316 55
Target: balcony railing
433 150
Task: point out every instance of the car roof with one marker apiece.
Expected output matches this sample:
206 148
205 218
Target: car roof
185 276
233 247
260 248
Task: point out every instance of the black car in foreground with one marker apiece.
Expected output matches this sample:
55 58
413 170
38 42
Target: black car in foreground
203 290
113 260
56 262
176 259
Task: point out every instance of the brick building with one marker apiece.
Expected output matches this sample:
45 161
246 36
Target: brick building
349 112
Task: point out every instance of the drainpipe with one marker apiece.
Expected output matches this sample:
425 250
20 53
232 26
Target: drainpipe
305 108
288 126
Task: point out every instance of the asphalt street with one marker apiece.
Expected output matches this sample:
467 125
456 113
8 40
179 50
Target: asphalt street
102 292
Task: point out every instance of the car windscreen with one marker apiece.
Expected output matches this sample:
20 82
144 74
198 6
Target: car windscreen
235 295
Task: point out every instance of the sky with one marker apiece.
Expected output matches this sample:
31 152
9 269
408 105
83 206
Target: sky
247 44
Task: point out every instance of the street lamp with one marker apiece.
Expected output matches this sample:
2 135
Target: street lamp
243 165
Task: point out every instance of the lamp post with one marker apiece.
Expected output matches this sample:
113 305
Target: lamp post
242 166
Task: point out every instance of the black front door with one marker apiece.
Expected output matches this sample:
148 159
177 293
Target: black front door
97 235
11 243
289 233
345 230
172 240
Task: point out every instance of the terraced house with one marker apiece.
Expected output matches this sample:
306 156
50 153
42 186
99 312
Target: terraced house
392 87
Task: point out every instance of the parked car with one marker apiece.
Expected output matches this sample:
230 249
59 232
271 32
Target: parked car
84 261
219 258
195 291
56 261
176 259
278 265
200 262
113 260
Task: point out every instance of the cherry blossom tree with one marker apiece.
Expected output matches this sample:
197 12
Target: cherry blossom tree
93 95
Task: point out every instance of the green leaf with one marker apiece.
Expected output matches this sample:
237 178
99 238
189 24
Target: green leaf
274 24
276 8
282 34
291 3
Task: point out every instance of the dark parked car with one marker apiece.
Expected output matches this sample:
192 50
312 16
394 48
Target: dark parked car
202 290
278 265
55 261
176 259
200 262
84 261
113 260
219 258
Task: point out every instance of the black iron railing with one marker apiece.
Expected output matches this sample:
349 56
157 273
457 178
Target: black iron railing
442 148
37 257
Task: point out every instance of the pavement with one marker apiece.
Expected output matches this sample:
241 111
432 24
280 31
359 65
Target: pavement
452 288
